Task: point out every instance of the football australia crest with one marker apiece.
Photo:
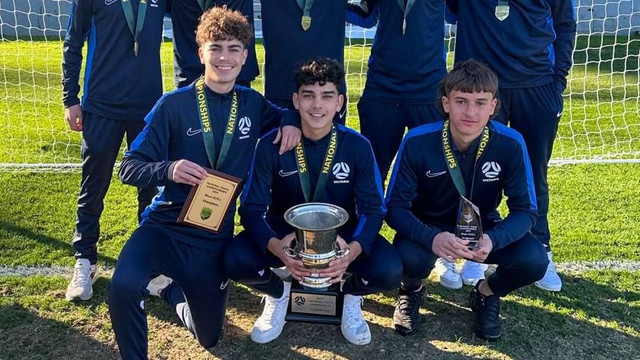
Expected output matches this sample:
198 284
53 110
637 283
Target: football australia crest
502 10
205 213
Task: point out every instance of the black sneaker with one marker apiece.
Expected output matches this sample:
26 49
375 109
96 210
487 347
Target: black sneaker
487 308
406 317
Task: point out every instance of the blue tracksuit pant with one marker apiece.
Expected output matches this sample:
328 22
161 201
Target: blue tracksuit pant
197 271
101 140
519 264
535 113
246 263
384 123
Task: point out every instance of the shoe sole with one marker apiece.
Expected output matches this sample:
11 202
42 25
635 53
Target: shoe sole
72 298
488 338
450 286
359 343
553 289
403 332
406 332
472 282
260 341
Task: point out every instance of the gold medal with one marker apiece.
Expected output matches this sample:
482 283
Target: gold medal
502 10
306 22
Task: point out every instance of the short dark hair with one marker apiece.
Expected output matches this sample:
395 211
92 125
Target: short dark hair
469 76
220 23
319 70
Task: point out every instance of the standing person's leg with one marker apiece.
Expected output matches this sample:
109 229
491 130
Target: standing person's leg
144 256
245 83
535 114
383 125
341 116
101 139
420 114
145 194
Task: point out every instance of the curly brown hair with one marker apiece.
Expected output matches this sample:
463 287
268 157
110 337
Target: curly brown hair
220 23
319 70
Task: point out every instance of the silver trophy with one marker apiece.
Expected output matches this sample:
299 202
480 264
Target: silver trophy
316 227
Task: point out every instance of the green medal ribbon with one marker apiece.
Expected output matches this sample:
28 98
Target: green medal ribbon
205 122
135 27
452 163
305 5
405 10
204 4
303 168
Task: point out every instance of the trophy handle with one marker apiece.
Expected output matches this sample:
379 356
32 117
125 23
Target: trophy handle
340 253
290 252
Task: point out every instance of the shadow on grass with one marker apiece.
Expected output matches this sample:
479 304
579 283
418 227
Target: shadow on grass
589 319
48 242
25 335
595 316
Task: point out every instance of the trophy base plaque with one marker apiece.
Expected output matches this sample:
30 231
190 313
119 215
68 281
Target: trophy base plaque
315 305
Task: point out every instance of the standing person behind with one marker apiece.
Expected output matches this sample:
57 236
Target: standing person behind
403 94
295 31
212 123
184 19
406 64
441 165
122 81
351 181
529 45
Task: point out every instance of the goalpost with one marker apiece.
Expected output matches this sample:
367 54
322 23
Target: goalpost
600 123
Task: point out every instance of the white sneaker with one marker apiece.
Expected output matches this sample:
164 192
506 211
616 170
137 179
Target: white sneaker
270 324
354 328
84 275
447 275
551 281
472 272
157 284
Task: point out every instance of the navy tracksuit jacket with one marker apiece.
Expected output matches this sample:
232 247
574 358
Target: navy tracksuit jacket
184 18
274 186
530 50
423 201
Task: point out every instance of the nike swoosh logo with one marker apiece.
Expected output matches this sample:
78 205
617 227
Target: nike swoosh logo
435 174
287 173
191 132
343 113
223 285
559 114
109 2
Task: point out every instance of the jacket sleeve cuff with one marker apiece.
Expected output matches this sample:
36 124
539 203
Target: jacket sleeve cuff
71 101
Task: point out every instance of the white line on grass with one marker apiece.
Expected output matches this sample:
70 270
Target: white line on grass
567 267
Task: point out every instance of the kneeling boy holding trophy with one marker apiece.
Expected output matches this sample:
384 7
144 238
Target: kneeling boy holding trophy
332 169
447 183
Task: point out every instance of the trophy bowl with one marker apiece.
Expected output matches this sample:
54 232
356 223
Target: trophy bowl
316 228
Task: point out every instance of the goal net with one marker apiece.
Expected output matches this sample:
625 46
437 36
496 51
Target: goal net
600 123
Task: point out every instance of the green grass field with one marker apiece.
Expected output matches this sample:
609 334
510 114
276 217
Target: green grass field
601 118
595 213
